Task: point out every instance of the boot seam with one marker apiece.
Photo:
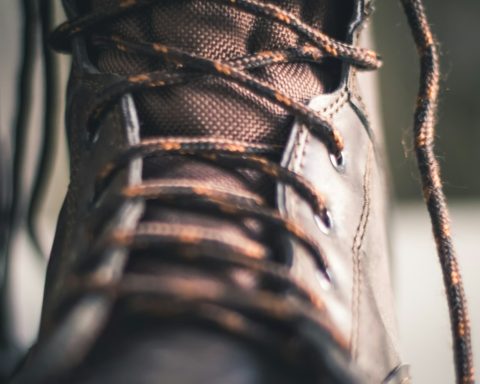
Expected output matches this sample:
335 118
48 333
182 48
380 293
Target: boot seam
357 245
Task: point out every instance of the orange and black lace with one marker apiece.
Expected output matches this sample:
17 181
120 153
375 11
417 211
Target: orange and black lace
225 306
424 135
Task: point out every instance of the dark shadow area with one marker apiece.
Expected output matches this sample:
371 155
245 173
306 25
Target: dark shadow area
458 136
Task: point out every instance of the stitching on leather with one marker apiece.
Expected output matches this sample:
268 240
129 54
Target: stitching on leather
300 154
302 139
303 156
356 252
299 142
357 96
292 166
331 109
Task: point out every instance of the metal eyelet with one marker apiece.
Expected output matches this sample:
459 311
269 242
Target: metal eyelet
326 280
324 222
338 161
92 136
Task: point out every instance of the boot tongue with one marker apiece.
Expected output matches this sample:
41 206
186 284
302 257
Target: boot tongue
211 106
215 107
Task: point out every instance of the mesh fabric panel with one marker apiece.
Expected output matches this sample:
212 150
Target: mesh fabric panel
209 106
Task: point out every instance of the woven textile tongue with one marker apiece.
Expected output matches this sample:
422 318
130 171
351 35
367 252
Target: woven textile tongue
214 107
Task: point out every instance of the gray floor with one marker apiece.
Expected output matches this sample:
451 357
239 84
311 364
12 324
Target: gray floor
422 311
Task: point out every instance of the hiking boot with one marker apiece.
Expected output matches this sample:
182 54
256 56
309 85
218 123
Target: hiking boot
226 216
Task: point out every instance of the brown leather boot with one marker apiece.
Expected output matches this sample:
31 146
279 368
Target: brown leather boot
226 217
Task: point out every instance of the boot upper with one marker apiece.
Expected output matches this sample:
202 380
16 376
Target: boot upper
353 295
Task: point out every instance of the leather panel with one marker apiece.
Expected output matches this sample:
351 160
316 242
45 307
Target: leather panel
358 299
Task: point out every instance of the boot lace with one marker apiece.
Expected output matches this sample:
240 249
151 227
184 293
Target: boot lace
225 306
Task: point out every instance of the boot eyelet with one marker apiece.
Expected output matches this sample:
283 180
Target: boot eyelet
326 280
324 222
338 161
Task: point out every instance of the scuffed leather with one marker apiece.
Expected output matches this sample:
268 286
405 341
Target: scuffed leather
359 298
67 335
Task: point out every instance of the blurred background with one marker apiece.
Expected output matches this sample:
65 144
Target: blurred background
422 310
423 316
